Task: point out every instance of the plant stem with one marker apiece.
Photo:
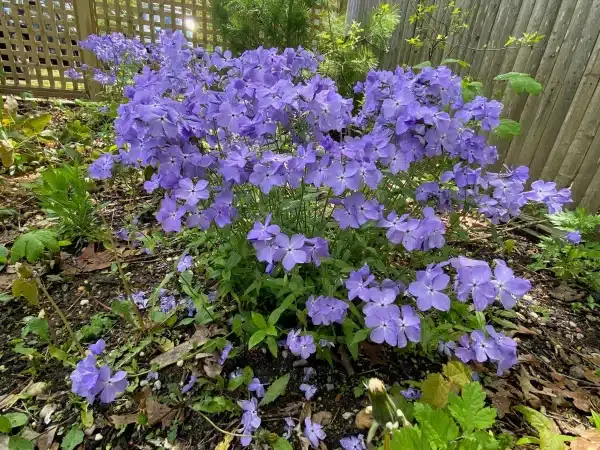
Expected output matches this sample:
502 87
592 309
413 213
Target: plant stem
216 427
61 315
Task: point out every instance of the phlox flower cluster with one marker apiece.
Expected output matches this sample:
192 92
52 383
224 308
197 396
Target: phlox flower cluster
490 345
273 246
250 420
326 310
300 345
91 381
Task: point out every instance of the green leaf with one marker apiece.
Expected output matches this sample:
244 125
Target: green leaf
31 245
275 389
595 419
359 336
536 419
550 440
256 338
460 62
435 390
469 409
37 326
276 314
5 425
19 443
457 373
282 444
272 344
5 297
528 440
259 320
507 129
422 65
17 419
26 289
409 439
36 124
72 439
214 405
436 424
235 383
521 82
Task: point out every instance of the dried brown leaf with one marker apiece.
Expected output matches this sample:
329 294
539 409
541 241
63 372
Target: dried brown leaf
155 412
590 440
44 441
363 420
200 337
322 417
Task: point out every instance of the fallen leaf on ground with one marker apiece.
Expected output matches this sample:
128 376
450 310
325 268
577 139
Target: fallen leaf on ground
501 401
528 389
200 337
211 367
155 412
224 444
566 293
591 376
6 280
45 440
322 417
590 440
363 420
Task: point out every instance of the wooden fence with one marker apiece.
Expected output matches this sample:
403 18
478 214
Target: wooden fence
560 139
38 38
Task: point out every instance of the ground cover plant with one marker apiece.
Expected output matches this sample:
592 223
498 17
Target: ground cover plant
300 229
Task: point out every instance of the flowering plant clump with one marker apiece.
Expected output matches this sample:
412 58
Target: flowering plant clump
92 381
294 193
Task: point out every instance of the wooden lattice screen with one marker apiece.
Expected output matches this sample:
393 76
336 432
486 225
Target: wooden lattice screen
38 42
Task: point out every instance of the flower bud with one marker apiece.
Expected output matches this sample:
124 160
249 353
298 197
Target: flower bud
384 410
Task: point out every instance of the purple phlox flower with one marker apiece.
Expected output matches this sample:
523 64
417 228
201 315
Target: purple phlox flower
484 348
250 420
98 347
476 280
190 384
409 326
383 322
510 288
101 168
299 345
122 234
289 427
290 250
309 372
192 193
464 351
358 283
167 303
397 286
379 298
316 248
85 377
257 387
446 348
313 432
309 390
341 177
397 226
507 348
263 232
114 385
326 310
428 292
224 354
411 393
169 215
353 443
190 306
574 237
139 298
152 376
73 74
184 263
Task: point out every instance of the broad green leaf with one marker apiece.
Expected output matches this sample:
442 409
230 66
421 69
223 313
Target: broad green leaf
528 440
282 444
19 443
259 320
5 297
536 419
457 373
31 245
422 65
27 289
87 416
37 326
469 409
409 439
460 62
510 76
256 339
595 419
437 425
214 405
521 82
276 314
507 129
276 389
435 390
359 336
17 419
5 425
272 344
235 383
72 439
550 440
36 124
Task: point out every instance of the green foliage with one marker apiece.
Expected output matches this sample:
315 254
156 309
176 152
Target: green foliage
32 245
246 24
507 129
549 435
3 256
72 439
64 194
580 262
37 326
526 40
521 82
99 323
351 51
77 132
276 389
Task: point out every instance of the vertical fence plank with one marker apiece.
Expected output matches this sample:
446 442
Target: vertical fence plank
85 15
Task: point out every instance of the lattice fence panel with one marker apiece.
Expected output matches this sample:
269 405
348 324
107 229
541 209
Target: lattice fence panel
38 42
147 18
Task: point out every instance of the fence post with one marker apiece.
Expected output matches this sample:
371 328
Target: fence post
85 16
